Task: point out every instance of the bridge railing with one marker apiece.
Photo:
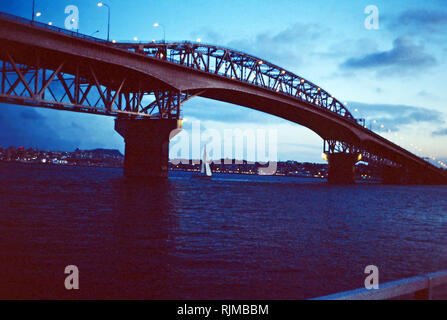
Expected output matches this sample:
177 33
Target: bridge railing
426 287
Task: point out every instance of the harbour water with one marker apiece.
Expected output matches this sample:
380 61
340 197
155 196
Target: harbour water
231 237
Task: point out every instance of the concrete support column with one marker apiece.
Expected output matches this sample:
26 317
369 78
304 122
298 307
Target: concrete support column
147 145
341 168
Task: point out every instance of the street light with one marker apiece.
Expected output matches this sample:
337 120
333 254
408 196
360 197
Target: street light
74 20
100 4
156 25
39 14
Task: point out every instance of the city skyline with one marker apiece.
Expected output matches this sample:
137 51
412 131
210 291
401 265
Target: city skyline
391 76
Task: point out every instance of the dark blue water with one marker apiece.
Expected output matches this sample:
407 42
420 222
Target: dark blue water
232 237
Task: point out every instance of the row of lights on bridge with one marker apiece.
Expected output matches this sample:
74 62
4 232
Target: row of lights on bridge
414 146
101 4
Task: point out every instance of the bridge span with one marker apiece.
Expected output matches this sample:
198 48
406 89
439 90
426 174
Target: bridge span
144 85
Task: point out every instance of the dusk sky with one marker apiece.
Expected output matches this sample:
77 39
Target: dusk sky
394 77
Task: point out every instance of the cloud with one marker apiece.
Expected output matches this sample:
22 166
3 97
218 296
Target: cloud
420 20
208 36
282 47
395 116
341 47
404 56
428 26
440 132
426 94
28 127
297 31
55 130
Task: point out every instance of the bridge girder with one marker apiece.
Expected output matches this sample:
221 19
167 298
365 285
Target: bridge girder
87 88
242 67
335 146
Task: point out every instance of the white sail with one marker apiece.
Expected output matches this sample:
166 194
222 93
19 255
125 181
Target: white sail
208 169
205 167
202 165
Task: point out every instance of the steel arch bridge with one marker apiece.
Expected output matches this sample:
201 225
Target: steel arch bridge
50 67
240 66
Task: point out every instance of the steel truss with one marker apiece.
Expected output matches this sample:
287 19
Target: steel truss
239 66
34 85
334 146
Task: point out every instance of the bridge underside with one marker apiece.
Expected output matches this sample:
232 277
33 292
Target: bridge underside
47 69
45 78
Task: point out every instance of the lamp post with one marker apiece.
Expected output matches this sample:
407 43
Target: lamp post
74 20
360 120
156 25
100 4
35 14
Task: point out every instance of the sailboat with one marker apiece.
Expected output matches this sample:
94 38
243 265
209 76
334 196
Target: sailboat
205 170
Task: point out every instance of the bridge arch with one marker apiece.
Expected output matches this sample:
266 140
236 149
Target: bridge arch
242 67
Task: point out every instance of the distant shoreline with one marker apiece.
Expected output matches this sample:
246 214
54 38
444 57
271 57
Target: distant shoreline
49 164
373 181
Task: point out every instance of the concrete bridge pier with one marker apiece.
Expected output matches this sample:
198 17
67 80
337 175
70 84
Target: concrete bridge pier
147 145
341 168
